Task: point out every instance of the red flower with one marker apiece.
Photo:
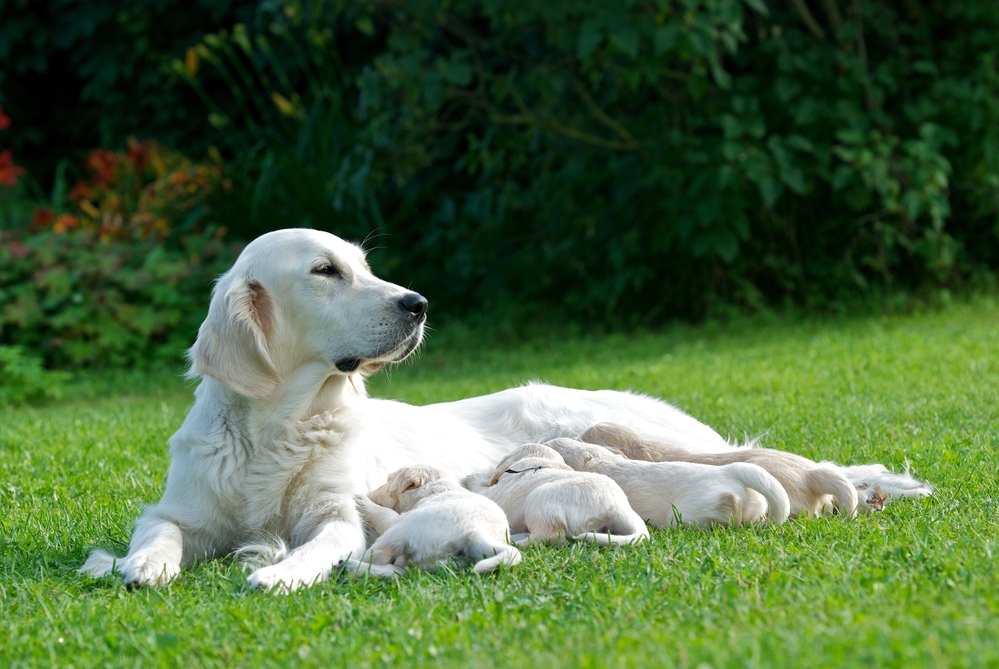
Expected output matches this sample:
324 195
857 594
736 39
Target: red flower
103 164
4 120
80 191
65 222
42 218
9 172
138 153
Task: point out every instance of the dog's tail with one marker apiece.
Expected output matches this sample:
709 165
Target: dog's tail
759 479
877 476
100 563
631 523
832 481
606 539
507 555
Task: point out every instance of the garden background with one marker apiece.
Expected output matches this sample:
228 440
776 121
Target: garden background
614 165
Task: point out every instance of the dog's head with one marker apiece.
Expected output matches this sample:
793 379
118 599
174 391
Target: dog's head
407 486
303 297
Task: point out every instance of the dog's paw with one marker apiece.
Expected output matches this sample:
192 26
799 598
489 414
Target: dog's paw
279 578
147 570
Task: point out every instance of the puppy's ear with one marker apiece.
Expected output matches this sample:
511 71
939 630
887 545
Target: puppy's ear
232 342
613 435
409 478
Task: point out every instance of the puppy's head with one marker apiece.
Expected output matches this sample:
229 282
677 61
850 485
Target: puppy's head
533 455
577 454
407 486
297 298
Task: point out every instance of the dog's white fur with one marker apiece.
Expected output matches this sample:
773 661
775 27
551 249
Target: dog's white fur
426 518
282 434
550 502
812 488
702 495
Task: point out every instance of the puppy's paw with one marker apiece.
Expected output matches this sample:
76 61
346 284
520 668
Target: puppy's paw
871 498
360 569
279 579
147 570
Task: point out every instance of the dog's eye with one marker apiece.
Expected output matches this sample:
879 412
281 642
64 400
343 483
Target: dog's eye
327 270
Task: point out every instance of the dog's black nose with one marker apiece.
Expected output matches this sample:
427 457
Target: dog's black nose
414 303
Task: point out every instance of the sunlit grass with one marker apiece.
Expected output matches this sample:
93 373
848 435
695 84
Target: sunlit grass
917 585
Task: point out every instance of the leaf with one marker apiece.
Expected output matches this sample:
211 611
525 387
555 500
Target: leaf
841 177
365 26
625 38
666 38
759 5
459 74
770 191
590 38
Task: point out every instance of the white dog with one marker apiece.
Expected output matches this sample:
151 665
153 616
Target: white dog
701 494
282 434
810 486
439 520
545 498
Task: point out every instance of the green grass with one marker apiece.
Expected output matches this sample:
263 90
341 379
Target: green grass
917 585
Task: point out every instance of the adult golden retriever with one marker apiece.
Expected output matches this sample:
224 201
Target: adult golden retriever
282 433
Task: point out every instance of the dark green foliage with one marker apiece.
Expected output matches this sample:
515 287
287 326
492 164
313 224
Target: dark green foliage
635 160
626 162
77 75
77 301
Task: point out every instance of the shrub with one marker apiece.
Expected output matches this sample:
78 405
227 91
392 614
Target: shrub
23 380
628 162
147 191
73 299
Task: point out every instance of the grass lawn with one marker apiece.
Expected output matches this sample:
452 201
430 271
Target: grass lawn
917 585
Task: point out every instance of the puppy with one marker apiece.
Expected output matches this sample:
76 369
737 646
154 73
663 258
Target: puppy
545 498
811 487
439 521
699 494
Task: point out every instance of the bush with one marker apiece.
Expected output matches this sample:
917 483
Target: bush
148 192
75 300
23 380
628 162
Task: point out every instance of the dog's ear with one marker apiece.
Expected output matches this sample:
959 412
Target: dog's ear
232 342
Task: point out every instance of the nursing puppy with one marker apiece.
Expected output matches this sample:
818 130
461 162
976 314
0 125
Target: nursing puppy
811 487
700 494
426 518
544 497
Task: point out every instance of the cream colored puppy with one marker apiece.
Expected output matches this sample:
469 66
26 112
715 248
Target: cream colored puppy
439 521
811 487
544 497
700 494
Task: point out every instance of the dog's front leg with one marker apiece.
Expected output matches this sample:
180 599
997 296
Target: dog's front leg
154 554
337 535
